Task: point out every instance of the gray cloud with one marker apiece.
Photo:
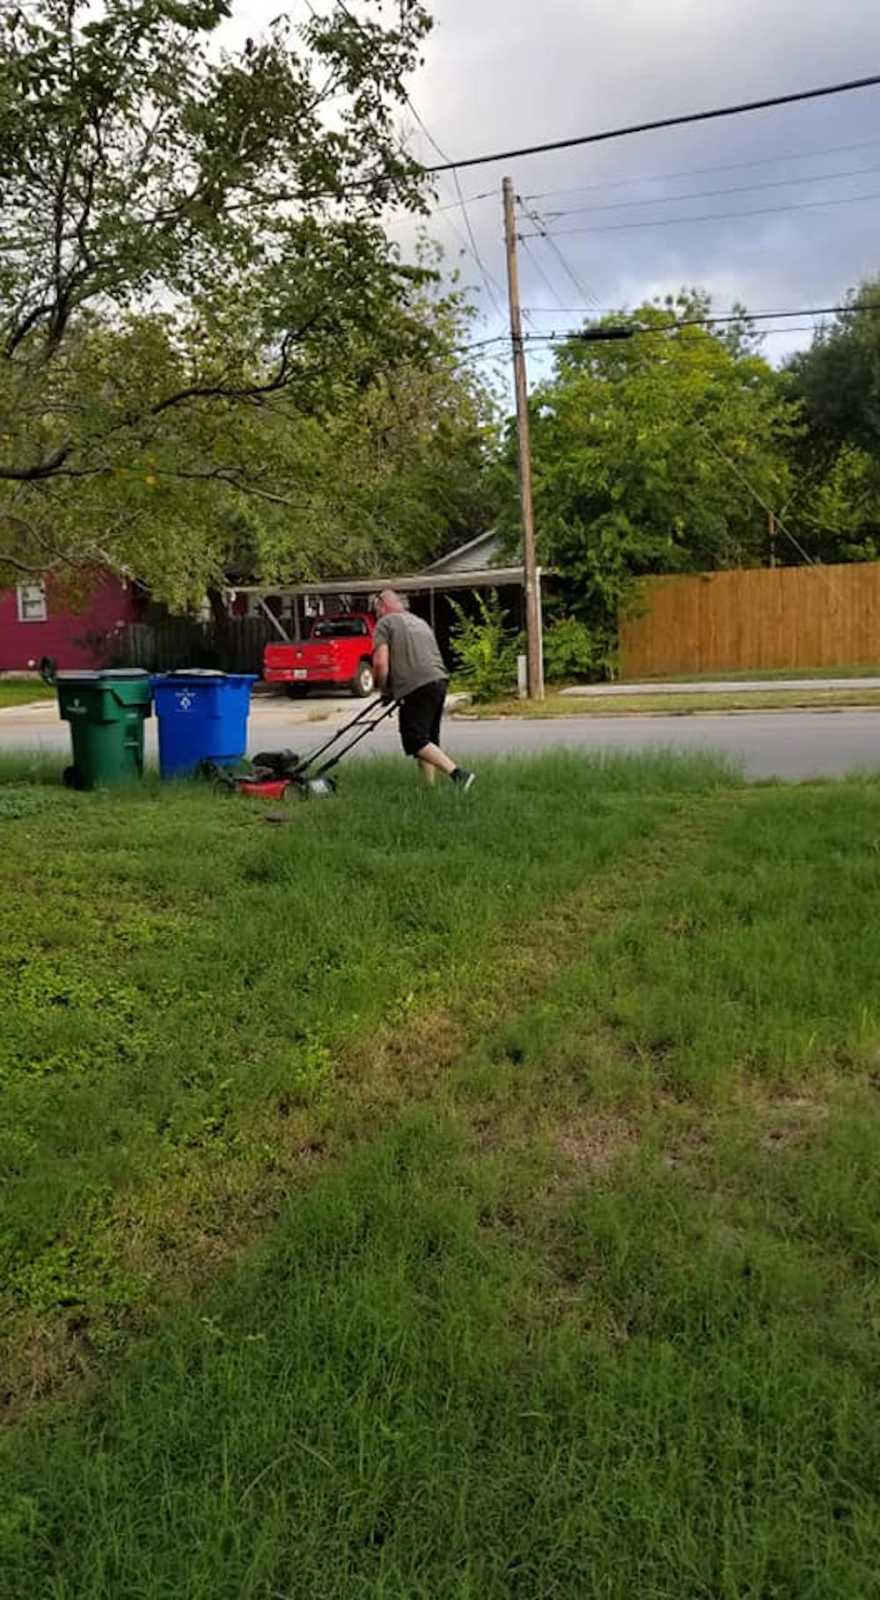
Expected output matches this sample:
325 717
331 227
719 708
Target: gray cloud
503 73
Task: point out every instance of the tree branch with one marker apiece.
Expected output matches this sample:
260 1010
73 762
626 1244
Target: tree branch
231 477
245 392
42 469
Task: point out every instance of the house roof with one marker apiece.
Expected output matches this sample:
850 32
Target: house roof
476 564
404 583
478 554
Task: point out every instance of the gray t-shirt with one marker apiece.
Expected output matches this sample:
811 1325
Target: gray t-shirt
413 652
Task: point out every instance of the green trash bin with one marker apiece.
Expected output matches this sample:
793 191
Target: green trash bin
106 712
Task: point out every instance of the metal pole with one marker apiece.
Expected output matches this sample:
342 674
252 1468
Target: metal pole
533 596
269 613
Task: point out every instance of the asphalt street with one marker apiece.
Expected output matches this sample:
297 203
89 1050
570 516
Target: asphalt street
789 745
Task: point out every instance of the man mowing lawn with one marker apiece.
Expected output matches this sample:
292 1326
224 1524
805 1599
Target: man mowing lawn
408 666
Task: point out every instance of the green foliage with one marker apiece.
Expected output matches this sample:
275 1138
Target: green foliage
841 517
647 455
838 378
241 193
485 648
837 384
570 651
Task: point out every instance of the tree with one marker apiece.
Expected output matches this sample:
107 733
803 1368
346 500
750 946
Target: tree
192 268
837 384
838 378
410 463
653 453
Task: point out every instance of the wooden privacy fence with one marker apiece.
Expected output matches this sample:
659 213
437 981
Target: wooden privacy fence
178 642
789 617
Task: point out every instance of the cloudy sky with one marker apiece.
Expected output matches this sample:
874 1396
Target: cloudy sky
504 73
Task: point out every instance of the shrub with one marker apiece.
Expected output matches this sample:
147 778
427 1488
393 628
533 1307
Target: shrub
572 651
485 649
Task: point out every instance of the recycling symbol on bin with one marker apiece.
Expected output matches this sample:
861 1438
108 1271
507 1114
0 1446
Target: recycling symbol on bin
184 701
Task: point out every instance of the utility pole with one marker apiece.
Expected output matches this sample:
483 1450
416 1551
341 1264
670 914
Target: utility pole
530 565
771 529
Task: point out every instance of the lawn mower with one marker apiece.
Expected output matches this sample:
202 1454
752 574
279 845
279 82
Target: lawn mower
277 774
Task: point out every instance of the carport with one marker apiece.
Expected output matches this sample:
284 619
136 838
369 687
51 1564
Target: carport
290 608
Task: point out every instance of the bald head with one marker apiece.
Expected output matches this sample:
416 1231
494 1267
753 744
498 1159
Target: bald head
387 602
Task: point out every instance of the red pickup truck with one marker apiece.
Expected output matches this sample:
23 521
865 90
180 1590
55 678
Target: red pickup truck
338 653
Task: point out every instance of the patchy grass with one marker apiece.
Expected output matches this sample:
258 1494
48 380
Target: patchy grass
430 1383
183 985
678 704
22 691
577 1294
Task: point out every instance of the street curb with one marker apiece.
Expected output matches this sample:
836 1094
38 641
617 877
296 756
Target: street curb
612 716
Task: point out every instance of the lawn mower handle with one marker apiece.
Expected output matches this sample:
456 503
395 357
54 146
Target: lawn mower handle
307 761
327 766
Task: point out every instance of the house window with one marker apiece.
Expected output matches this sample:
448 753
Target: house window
32 602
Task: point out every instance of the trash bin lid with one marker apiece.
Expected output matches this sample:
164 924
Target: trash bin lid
102 675
195 672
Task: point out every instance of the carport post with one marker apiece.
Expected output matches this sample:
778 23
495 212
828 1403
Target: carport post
268 612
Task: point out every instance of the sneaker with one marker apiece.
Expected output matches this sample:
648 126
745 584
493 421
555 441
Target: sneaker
464 779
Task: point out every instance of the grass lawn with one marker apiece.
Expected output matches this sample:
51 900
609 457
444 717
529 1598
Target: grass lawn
678 704
22 691
442 1196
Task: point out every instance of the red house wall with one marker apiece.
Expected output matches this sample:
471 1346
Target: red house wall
65 634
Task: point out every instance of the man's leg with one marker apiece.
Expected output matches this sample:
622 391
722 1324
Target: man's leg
435 760
421 714
432 759
427 773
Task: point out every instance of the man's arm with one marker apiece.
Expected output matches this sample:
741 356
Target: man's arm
381 666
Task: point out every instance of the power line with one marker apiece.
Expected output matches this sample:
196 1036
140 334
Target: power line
491 283
699 172
664 122
540 271
552 339
404 219
580 287
726 316
711 216
572 276
734 316
710 194
572 336
736 469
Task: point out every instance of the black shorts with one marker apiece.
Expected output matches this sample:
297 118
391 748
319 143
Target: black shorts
421 713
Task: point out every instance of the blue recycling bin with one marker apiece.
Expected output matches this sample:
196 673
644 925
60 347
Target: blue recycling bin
202 716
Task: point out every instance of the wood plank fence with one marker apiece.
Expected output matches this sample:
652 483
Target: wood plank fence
780 617
179 642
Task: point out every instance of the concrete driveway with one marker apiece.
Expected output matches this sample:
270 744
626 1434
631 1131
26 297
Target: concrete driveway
778 744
